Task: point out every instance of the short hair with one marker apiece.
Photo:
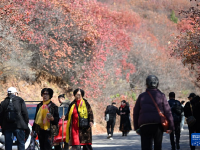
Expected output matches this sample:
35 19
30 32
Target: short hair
123 101
113 103
172 94
61 96
82 92
49 90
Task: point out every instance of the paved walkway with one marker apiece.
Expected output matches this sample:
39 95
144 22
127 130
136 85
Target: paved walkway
132 141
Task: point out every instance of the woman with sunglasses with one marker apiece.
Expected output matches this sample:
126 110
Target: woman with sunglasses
46 120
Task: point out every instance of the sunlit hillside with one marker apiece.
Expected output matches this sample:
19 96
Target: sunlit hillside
108 48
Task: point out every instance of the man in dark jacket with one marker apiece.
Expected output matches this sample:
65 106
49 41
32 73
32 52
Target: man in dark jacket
146 119
188 111
176 110
111 110
18 125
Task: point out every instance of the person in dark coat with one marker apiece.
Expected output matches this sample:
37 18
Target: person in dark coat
176 109
196 114
20 125
188 111
147 121
75 135
46 116
125 124
111 110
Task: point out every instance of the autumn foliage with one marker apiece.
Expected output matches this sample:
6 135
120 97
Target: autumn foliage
187 43
71 39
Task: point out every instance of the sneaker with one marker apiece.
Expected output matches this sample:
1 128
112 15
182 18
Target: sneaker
109 135
111 138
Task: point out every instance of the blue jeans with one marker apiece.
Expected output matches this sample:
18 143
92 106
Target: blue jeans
9 135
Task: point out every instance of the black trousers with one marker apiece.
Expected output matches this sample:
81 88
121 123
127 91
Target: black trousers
45 140
191 130
176 132
110 126
149 134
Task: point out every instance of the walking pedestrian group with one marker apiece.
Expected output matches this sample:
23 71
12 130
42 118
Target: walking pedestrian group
152 115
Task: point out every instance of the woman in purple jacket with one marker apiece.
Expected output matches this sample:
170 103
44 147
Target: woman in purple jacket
147 121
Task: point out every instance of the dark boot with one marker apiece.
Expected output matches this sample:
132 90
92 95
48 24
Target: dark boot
122 133
173 146
125 134
177 146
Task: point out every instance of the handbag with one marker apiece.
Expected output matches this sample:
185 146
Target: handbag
107 117
164 121
54 130
191 120
83 122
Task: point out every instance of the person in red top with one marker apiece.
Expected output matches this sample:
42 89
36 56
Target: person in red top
78 136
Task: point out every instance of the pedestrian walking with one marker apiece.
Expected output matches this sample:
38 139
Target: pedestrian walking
46 120
14 117
125 124
147 120
182 116
196 114
176 109
65 104
80 122
110 114
188 112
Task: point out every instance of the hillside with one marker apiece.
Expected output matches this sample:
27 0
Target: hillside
106 47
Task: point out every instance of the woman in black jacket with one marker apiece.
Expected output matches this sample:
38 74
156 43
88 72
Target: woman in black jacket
125 124
46 120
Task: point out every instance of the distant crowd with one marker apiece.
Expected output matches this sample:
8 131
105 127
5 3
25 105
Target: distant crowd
153 114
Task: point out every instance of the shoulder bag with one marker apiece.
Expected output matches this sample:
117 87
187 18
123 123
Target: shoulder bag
164 121
83 122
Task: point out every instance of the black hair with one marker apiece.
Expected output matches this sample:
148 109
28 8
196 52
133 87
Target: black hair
61 96
113 103
82 92
123 101
49 90
182 102
172 95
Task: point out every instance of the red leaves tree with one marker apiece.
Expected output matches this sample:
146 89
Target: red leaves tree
187 45
71 39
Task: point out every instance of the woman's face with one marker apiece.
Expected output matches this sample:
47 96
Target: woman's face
45 96
122 103
78 95
61 99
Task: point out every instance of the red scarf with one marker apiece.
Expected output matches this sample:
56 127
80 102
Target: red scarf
122 106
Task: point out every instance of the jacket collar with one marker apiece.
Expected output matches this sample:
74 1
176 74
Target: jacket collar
148 89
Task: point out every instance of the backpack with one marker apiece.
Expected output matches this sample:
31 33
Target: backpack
176 111
11 113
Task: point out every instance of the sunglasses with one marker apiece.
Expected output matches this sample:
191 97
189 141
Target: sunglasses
45 94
